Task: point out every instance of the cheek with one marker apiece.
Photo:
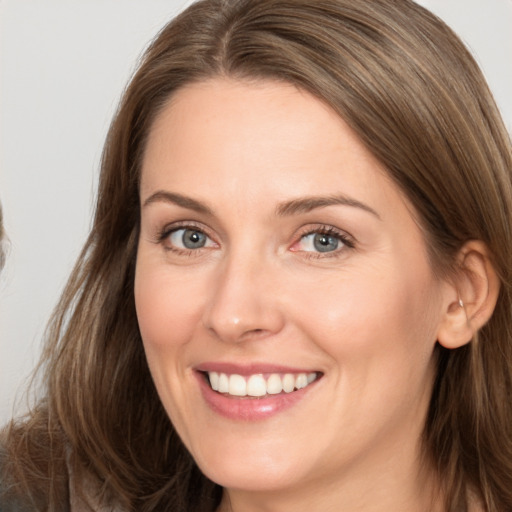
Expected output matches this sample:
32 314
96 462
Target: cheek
373 316
167 305
378 333
167 313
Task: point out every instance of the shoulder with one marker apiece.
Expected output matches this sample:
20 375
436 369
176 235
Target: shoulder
78 491
85 495
16 493
85 492
8 503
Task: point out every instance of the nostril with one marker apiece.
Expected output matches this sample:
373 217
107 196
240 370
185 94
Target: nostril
252 334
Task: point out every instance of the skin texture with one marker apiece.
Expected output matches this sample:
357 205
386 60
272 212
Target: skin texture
365 315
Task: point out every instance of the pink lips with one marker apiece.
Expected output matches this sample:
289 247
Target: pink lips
248 408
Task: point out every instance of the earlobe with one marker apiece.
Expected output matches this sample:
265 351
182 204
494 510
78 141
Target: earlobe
471 298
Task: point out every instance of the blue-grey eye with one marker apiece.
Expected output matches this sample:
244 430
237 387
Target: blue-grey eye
186 238
320 242
325 243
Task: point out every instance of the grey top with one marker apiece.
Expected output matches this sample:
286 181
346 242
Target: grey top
75 504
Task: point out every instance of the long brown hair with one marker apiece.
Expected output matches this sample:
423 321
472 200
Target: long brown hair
414 95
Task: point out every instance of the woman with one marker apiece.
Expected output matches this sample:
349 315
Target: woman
296 291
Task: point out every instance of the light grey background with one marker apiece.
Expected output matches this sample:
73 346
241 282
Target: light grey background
63 66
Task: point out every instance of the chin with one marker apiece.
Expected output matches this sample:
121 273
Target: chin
254 468
253 477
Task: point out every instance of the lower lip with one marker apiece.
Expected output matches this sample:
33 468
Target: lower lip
249 408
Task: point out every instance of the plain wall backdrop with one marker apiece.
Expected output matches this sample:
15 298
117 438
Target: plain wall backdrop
63 67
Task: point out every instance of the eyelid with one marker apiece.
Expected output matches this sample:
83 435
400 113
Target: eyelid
347 240
166 229
163 234
177 241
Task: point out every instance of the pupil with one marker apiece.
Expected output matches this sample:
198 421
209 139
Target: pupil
193 239
325 243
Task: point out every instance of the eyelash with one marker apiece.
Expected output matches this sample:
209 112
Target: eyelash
346 240
167 231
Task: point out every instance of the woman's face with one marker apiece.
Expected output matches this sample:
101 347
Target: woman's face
276 254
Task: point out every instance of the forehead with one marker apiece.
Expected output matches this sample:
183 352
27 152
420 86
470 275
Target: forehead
230 125
248 141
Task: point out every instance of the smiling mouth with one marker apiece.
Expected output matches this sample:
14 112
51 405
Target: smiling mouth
259 385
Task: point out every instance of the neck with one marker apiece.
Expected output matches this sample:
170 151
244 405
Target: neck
388 484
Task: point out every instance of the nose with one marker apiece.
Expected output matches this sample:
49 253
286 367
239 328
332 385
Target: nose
244 303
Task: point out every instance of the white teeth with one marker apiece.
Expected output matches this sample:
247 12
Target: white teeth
274 384
288 383
223 383
256 385
214 380
237 385
301 381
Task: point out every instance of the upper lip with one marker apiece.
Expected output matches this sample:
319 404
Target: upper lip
249 369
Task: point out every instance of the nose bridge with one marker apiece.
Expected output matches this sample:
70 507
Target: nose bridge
242 302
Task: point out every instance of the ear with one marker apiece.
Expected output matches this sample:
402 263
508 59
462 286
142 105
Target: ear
470 298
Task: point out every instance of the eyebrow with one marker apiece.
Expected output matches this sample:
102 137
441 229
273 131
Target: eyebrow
293 207
179 200
307 204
